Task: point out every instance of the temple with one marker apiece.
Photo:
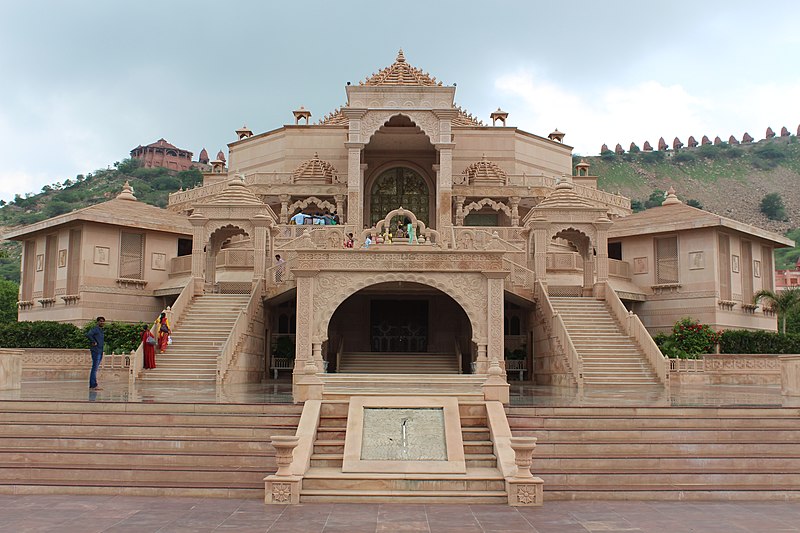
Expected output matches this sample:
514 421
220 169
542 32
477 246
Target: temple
516 260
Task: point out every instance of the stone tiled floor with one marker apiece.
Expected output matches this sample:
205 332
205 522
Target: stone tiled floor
86 514
521 394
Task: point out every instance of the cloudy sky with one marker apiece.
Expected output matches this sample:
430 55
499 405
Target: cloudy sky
84 82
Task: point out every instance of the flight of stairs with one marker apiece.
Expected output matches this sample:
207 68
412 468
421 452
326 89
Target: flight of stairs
608 355
398 363
198 339
465 387
663 453
217 450
325 481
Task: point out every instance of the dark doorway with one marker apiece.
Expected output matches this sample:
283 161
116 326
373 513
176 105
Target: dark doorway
399 326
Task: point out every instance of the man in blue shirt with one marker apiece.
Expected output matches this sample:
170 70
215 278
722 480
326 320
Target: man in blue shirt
96 338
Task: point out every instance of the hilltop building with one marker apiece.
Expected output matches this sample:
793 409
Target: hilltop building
516 264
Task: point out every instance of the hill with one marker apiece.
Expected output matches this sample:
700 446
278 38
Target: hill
152 186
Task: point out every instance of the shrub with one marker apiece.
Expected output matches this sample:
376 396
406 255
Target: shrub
772 206
653 157
694 203
683 157
119 336
757 342
656 199
637 205
608 155
694 338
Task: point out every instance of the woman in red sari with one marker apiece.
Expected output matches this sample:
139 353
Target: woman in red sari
149 348
163 332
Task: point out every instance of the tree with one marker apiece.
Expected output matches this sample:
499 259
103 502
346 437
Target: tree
784 302
694 203
772 206
655 199
9 291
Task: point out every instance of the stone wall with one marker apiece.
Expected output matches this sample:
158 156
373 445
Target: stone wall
727 369
250 359
49 364
549 361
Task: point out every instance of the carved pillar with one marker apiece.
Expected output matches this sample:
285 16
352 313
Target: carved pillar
540 250
494 312
339 199
284 216
482 362
588 271
198 255
514 210
316 355
260 224
602 250
305 322
355 185
444 186
459 210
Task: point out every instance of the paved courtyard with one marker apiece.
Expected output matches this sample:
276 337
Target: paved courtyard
87 514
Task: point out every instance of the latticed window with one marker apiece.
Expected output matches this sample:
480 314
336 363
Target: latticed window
399 187
131 256
667 260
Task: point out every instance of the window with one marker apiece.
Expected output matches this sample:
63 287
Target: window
615 250
399 187
667 260
131 256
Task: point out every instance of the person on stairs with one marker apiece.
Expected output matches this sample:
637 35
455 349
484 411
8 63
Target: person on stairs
163 332
149 347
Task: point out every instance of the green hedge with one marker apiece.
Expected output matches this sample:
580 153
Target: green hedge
119 336
744 341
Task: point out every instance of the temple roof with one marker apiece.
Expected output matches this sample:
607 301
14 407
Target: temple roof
316 169
676 216
337 118
565 197
236 193
401 73
484 170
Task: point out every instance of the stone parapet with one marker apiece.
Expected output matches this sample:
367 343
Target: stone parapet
10 369
727 369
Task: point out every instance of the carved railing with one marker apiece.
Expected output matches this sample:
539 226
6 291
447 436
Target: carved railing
238 331
564 261
635 330
280 275
582 190
174 315
620 269
559 330
324 237
235 258
180 265
687 365
520 276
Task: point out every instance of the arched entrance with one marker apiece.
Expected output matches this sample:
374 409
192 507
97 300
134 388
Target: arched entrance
399 327
399 187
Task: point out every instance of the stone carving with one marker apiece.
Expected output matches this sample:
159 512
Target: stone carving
785 132
526 494
746 138
677 144
717 141
647 147
662 144
691 143
497 206
302 204
732 140
770 134
316 170
484 172
281 492
425 120
705 141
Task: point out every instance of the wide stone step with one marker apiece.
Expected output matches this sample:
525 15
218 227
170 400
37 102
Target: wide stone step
125 473
365 496
125 431
265 461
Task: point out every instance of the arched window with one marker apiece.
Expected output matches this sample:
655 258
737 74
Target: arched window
399 187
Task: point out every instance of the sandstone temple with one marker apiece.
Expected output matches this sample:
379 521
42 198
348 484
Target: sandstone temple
479 256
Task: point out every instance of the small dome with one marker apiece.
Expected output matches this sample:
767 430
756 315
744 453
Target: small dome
316 170
484 171
127 193
236 192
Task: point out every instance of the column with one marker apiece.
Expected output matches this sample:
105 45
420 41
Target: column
540 250
284 216
260 223
459 210
602 250
444 186
339 200
305 383
198 236
355 186
481 362
494 312
514 200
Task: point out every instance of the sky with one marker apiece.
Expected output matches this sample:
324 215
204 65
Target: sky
84 82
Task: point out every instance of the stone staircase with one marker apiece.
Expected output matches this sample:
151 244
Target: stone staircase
466 387
669 453
398 363
608 355
198 339
325 482
215 450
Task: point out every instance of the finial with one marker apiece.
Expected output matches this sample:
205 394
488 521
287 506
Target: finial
400 57
127 192
671 198
316 155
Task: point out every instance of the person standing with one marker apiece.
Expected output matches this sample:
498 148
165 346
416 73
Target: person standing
149 347
280 267
97 339
163 332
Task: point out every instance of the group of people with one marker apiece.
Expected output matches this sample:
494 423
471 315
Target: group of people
150 342
325 219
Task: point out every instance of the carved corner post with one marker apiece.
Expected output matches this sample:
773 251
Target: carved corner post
459 210
198 252
602 226
540 249
284 215
339 201
514 200
260 223
524 489
495 388
306 385
282 487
